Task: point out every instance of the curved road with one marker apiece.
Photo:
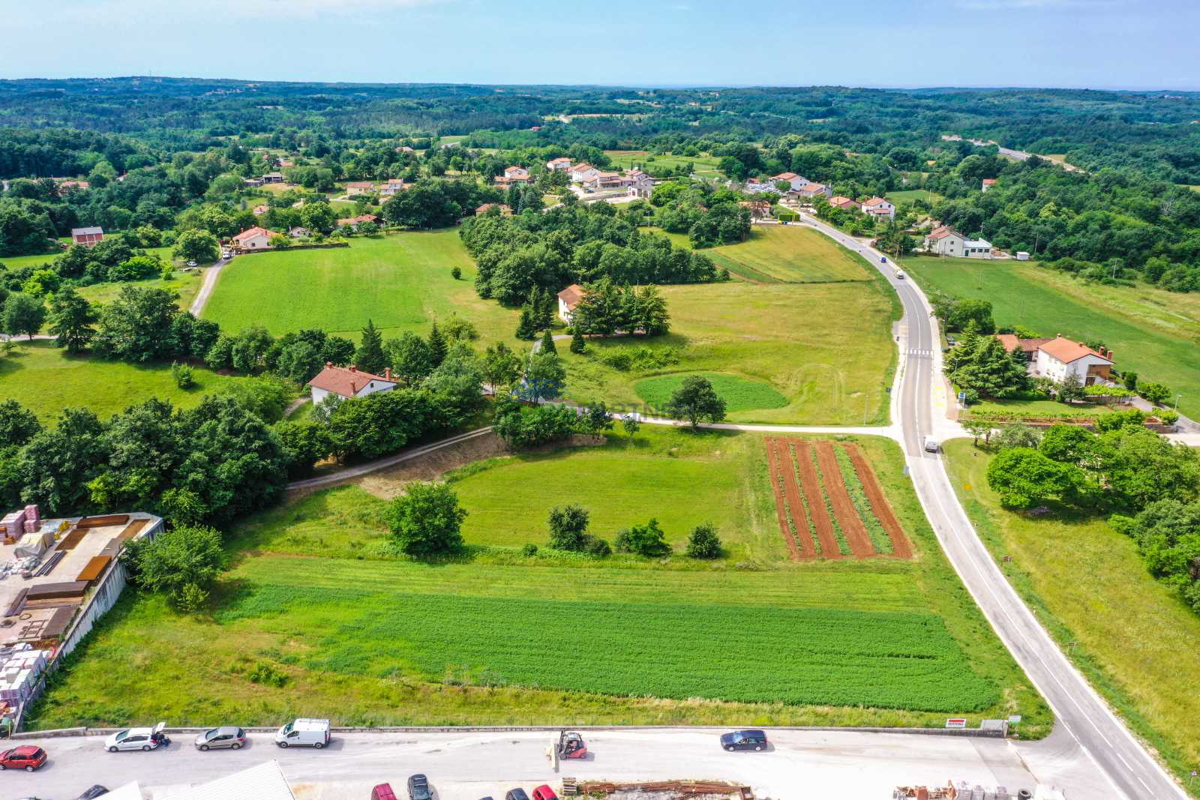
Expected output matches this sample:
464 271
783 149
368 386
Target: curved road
1131 770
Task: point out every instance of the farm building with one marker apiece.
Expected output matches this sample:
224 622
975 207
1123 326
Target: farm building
253 239
349 382
568 298
273 177
977 248
88 237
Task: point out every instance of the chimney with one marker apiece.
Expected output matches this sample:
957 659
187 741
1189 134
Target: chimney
328 364
387 373
354 368
1110 356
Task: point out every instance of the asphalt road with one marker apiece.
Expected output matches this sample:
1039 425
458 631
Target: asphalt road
1131 770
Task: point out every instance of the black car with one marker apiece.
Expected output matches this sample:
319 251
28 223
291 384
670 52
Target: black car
93 793
744 740
418 788
516 794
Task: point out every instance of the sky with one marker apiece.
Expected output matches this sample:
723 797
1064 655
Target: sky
1103 44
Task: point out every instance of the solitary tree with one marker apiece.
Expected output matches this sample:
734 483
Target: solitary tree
501 366
197 245
578 345
697 401
182 563
71 320
568 527
23 313
426 520
704 542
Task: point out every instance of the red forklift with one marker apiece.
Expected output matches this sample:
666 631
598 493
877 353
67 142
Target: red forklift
570 745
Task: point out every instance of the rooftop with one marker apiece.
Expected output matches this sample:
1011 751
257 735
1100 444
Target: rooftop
571 295
345 381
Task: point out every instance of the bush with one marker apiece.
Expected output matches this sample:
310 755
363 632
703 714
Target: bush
456 273
1156 393
568 528
598 547
1167 416
426 520
530 549
643 540
181 562
625 359
704 542
267 675
182 374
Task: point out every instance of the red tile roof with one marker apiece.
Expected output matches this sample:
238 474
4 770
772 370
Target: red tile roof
1067 351
345 381
571 295
356 220
784 176
874 201
246 235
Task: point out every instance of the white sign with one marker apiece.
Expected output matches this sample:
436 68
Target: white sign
956 723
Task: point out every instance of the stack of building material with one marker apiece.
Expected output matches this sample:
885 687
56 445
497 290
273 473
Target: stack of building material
13 526
34 544
94 569
964 791
19 674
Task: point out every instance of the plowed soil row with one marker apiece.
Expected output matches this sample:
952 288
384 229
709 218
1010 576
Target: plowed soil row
774 458
843 507
792 490
816 503
901 548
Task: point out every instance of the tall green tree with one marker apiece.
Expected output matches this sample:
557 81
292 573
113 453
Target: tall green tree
501 366
181 562
410 358
547 345
437 346
426 520
370 357
697 401
23 314
71 320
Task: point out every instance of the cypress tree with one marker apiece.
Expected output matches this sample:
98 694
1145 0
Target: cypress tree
369 357
437 346
548 343
525 327
578 346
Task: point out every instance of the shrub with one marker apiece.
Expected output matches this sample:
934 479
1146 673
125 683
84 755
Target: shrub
598 547
268 675
456 273
1167 416
643 540
181 562
426 520
568 527
704 542
530 549
1156 393
182 374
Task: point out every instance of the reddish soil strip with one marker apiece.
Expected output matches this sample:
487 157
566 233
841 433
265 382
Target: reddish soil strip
879 504
792 489
816 503
784 527
847 516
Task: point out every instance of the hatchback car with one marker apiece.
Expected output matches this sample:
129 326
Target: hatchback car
418 788
93 793
135 739
26 757
744 740
229 736
516 794
544 792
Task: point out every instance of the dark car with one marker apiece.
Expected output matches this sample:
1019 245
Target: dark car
418 788
93 793
516 794
744 740
26 757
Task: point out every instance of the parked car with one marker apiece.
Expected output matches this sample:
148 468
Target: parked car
418 788
744 740
136 739
383 792
516 794
304 733
93 793
26 757
229 736
544 792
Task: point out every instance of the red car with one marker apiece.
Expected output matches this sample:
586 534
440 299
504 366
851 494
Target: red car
26 757
544 792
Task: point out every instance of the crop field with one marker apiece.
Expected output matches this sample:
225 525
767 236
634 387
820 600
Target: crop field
836 508
46 380
1152 332
785 254
1133 637
316 617
401 283
739 394
826 348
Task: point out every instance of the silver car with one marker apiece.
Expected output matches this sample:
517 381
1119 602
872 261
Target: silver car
226 736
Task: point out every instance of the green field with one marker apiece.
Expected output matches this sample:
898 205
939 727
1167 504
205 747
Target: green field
400 282
1156 341
500 638
46 380
826 347
17 262
909 195
702 166
739 394
785 254
1087 583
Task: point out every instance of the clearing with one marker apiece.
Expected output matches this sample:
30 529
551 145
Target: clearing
825 347
1136 641
46 380
702 166
1152 332
739 394
401 282
317 617
784 254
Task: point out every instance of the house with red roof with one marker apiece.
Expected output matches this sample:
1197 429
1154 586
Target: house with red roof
582 172
560 164
260 210
878 207
814 189
843 202
354 222
797 182
1059 357
568 299
987 184
255 238
349 382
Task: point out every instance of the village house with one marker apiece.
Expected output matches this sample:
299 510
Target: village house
260 210
754 186
252 183
560 164
759 209
814 190
66 186
640 184
987 184
393 187
299 233
606 180
977 248
516 173
347 382
273 177
505 210
844 203
355 188
254 239
405 149
582 172
945 242
88 237
568 299
878 207
1059 357
354 222
796 181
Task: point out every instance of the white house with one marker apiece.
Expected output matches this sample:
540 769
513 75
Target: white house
299 233
560 164
568 298
349 382
795 180
987 184
945 242
516 173
1060 357
640 184
393 187
253 239
977 248
582 172
878 207
814 189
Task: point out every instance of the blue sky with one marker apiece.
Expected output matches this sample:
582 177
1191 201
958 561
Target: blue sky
1075 43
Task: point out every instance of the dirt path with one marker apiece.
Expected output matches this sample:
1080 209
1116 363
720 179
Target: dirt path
901 548
816 503
847 516
773 459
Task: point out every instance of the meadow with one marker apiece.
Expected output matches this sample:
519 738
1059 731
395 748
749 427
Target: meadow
825 347
908 195
739 394
702 166
316 618
1134 639
400 282
46 380
1152 332
785 254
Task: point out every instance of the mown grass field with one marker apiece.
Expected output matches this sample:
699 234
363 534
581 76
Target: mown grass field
704 166
46 380
1086 582
1152 332
909 195
784 254
739 394
500 638
401 282
825 347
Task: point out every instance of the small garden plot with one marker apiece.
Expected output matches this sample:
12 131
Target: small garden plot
836 508
738 393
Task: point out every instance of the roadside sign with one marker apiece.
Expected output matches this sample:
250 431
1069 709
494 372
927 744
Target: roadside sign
1014 719
956 723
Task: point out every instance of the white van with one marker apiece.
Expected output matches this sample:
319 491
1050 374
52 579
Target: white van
304 733
932 445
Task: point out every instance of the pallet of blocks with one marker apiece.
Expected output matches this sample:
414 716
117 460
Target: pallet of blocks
963 791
